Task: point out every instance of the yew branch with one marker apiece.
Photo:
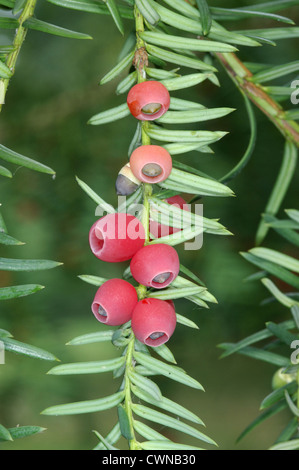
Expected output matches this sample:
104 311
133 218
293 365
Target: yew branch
242 76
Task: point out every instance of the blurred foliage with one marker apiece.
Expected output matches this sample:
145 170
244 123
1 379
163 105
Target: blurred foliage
53 94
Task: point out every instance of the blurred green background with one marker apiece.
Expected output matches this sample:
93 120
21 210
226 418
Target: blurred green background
53 94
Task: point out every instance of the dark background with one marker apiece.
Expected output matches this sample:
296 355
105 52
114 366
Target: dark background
53 94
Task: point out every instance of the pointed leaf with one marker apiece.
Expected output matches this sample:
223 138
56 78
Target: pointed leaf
113 436
273 33
89 6
165 369
194 184
172 294
93 280
281 333
111 115
288 432
15 292
8 23
291 235
252 339
4 71
263 417
242 13
278 395
160 418
20 432
118 69
291 404
148 433
83 407
184 43
182 117
95 197
167 405
26 265
169 135
5 434
38 25
182 218
5 172
179 59
146 385
127 83
113 8
183 147
148 11
27 350
262 355
106 445
205 16
91 338
293 214
19 5
97 367
124 422
293 444
278 71
17 159
282 298
186 81
276 257
8 240
273 269
186 322
164 352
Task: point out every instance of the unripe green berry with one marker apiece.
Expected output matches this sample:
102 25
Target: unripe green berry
280 379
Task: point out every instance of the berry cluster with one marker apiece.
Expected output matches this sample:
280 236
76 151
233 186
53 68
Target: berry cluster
121 237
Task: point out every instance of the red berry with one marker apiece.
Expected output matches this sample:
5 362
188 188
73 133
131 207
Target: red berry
116 237
160 230
155 266
171 302
151 163
153 321
149 100
114 302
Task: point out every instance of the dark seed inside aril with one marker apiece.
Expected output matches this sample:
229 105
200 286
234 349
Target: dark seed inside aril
102 311
156 335
161 278
151 108
152 170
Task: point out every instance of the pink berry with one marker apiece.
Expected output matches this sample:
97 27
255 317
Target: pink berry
153 321
116 237
155 266
160 230
114 302
148 101
151 163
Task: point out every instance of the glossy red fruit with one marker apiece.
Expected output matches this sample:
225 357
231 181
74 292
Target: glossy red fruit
151 163
153 321
149 100
155 266
159 230
114 302
116 237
